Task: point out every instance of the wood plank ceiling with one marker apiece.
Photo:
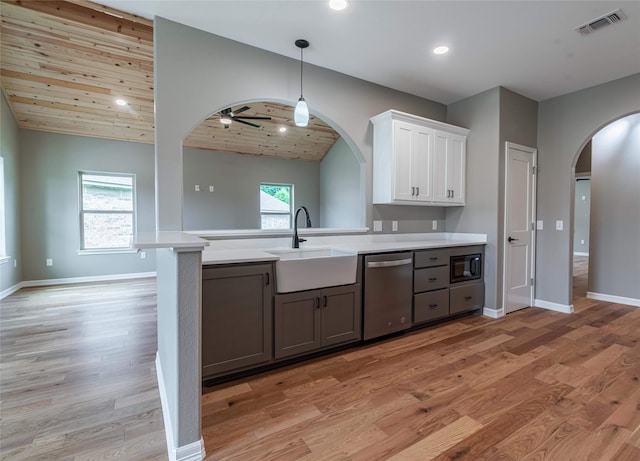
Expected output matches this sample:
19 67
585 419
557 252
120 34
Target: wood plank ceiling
64 64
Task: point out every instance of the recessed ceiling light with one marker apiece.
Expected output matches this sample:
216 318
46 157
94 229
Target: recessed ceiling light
443 49
338 5
282 129
121 102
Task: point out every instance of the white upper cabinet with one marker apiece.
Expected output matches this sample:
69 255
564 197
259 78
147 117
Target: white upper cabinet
417 161
449 159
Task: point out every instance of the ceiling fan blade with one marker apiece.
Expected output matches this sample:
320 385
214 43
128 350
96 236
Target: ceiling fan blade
253 117
246 123
239 111
225 111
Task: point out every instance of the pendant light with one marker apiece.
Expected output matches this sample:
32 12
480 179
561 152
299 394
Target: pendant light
301 113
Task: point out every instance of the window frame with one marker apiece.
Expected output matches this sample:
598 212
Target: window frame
275 213
82 211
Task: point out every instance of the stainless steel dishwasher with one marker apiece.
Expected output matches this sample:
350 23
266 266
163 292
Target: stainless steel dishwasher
388 292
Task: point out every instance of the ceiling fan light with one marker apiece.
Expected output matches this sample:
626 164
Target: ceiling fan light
301 113
225 120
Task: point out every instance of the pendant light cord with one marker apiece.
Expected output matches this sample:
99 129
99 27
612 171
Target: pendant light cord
301 50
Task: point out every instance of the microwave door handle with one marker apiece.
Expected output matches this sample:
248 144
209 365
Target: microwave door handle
475 266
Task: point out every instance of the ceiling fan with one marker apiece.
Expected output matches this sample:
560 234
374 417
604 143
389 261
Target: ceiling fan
228 115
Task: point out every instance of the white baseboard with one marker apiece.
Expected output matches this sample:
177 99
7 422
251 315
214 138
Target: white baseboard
493 313
71 280
564 308
614 299
192 452
10 290
580 253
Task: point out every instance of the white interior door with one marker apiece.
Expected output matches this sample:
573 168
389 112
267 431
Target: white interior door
519 227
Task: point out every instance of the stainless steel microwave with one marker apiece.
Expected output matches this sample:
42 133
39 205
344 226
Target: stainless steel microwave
465 267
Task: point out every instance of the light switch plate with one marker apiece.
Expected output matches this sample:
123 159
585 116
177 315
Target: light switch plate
540 225
211 189
434 224
377 226
49 262
394 226
559 225
197 188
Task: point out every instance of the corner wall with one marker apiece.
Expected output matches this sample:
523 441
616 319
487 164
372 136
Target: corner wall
10 269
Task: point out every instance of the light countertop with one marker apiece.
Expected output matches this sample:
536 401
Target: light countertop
257 250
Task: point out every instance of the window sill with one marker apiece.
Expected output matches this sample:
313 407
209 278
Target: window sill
106 251
5 259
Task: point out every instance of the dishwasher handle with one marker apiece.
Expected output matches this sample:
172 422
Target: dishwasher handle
392 263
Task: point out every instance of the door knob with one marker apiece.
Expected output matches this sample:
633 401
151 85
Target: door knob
511 239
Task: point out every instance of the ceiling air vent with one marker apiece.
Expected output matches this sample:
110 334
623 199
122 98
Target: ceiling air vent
602 21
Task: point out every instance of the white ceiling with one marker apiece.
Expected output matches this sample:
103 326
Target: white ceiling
530 47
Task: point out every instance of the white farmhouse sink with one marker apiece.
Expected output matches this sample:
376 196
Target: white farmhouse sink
309 268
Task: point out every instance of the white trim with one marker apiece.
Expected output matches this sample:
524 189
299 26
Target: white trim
11 290
492 313
580 253
613 298
107 251
93 278
192 452
533 217
564 308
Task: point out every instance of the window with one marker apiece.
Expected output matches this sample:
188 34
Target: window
107 218
275 206
3 230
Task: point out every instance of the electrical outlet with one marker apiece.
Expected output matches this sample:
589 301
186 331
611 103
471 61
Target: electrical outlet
394 226
211 188
581 242
377 226
197 188
49 262
540 225
559 225
143 255
434 225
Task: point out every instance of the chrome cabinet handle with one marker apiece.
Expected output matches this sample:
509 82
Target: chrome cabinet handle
413 191
417 191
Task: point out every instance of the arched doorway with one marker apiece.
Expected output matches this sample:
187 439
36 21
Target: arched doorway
614 222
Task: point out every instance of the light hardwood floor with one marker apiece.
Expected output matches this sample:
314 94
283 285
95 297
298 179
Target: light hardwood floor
78 382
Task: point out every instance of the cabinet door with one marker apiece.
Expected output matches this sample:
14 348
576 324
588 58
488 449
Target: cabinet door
457 168
297 323
402 146
449 168
341 314
236 318
421 164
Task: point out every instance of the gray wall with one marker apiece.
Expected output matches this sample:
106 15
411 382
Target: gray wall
614 263
235 201
49 202
340 200
480 113
565 125
197 73
10 270
582 210
494 117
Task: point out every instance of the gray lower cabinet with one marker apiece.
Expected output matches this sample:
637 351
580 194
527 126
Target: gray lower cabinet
311 320
236 318
432 305
466 298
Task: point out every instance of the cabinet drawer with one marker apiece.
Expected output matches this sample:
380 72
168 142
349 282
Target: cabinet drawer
431 278
430 306
466 298
431 258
